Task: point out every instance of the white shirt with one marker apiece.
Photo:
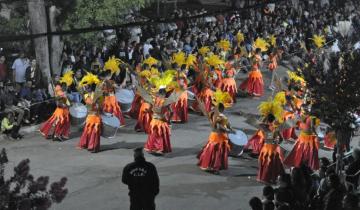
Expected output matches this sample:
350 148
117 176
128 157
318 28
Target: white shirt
19 66
147 48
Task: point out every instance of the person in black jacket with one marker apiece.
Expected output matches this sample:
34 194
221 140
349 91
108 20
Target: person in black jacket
143 182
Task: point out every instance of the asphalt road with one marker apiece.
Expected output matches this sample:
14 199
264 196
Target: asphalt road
94 180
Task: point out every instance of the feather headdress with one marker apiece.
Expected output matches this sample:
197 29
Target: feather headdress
272 40
204 50
190 60
145 73
280 98
113 64
240 37
150 61
271 107
294 77
222 97
224 44
162 81
262 44
319 40
89 79
214 60
67 78
179 58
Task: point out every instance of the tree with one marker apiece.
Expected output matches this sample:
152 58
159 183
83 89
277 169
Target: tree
335 92
22 191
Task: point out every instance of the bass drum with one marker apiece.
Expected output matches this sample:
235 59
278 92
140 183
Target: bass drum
237 142
125 98
110 125
321 130
78 113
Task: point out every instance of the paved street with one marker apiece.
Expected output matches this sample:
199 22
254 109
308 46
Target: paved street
94 180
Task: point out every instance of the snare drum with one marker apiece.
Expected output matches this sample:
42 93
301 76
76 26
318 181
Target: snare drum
125 98
110 125
237 142
78 113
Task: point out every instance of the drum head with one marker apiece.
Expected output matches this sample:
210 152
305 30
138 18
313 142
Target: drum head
239 138
125 96
78 110
191 95
111 121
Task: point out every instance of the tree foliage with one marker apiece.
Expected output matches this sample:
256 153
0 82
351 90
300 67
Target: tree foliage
23 191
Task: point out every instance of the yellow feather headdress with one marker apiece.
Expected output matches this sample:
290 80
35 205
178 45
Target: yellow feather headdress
240 37
179 58
67 78
150 61
154 72
280 98
113 64
190 60
319 40
272 40
293 76
262 44
214 60
145 73
222 97
224 44
204 50
162 81
89 79
271 107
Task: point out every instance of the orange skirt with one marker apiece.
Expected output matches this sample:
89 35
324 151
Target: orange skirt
305 150
180 109
214 155
60 120
270 163
111 105
159 137
254 84
144 118
256 142
90 138
229 85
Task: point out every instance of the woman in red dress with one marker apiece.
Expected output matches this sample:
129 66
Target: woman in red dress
228 83
271 156
254 84
306 148
58 125
180 108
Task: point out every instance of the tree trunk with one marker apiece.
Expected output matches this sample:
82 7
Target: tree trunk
37 14
56 43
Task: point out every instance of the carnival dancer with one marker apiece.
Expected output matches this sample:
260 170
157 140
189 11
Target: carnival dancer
214 155
110 104
57 126
256 142
90 137
271 157
158 141
306 147
254 84
273 65
228 83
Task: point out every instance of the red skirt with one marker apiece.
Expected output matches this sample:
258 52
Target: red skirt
180 109
289 134
110 105
270 163
144 118
214 155
90 138
330 140
306 151
135 107
229 85
256 142
60 120
159 137
254 84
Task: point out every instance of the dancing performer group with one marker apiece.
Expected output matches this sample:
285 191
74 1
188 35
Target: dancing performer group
205 83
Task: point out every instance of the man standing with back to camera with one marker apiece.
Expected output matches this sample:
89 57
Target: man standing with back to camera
143 182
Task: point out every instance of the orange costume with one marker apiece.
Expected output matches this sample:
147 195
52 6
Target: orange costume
306 147
228 83
110 104
60 120
273 62
256 142
254 84
214 155
180 108
144 117
90 138
270 159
